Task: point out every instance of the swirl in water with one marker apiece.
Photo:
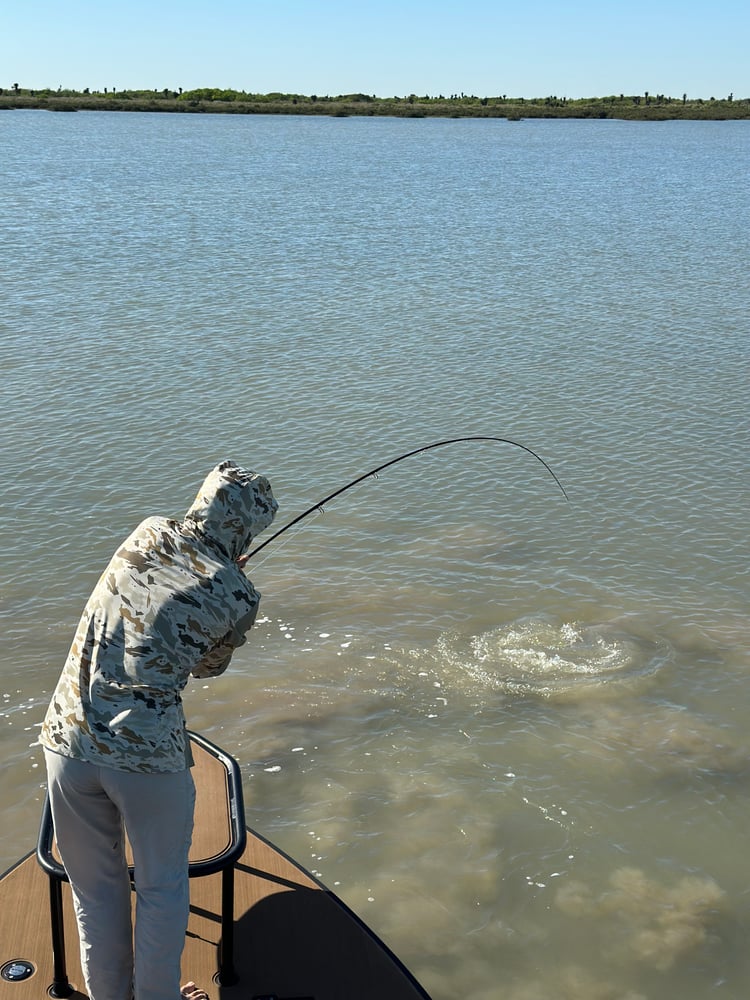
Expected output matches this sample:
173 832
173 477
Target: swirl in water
540 657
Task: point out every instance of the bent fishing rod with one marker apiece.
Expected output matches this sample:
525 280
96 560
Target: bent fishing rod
373 472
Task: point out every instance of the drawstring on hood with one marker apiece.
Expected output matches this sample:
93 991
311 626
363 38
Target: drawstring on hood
232 506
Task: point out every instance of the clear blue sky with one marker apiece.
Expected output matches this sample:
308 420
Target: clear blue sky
328 47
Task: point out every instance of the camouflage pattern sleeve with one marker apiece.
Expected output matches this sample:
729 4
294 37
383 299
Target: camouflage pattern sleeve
217 659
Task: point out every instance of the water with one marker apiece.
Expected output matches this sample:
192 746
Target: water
510 731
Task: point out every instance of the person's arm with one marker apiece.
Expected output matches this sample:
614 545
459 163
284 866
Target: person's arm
217 659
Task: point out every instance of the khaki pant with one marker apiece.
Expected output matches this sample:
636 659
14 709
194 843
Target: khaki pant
90 804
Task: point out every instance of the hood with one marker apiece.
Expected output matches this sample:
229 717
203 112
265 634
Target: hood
232 506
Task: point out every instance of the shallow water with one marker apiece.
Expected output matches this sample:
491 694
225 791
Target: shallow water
510 730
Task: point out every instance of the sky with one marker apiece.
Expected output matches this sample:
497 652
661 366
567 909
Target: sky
485 48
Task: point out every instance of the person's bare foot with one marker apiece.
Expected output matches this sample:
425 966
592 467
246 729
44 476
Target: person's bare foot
192 992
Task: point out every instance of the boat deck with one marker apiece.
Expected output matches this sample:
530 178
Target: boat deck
292 937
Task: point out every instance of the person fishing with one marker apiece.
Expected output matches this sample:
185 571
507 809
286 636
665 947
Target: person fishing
173 602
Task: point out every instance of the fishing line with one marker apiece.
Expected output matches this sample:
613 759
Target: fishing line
373 472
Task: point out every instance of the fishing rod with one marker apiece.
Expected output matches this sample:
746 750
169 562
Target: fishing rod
373 472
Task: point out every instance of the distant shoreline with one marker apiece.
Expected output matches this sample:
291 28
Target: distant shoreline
640 107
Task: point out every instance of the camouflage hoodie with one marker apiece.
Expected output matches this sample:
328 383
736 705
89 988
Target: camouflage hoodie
172 602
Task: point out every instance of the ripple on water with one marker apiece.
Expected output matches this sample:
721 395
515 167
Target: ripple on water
545 658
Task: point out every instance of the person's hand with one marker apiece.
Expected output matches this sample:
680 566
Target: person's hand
241 561
192 992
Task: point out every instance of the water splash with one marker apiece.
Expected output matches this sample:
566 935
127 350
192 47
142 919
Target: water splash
544 658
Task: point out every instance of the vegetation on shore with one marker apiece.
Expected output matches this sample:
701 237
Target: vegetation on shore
638 107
